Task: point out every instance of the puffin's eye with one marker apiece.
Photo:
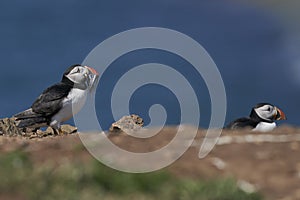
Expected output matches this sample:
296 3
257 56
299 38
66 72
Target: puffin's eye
269 109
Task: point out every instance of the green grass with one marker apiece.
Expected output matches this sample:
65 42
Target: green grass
74 180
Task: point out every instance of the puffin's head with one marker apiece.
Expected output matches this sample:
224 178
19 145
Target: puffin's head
268 112
81 76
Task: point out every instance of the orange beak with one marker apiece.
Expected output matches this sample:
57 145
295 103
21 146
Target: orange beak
92 70
279 114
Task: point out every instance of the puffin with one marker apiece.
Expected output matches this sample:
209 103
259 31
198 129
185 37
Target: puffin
262 118
59 102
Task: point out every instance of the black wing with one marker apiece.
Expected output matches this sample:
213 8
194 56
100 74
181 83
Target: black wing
50 101
242 123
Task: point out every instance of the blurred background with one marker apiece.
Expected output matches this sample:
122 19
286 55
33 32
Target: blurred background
255 45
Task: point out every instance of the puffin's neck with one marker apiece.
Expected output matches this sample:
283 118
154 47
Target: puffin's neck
67 81
70 83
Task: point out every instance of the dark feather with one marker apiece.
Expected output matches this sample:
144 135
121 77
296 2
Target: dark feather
50 101
243 122
36 122
27 114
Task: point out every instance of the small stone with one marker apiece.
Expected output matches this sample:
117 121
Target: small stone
48 131
29 130
68 129
39 133
33 136
127 124
218 163
246 186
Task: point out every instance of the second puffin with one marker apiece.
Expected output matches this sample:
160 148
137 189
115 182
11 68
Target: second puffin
262 118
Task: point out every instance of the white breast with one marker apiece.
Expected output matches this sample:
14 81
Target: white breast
72 104
264 126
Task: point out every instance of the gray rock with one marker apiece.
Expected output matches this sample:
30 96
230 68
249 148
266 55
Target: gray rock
68 129
9 128
127 124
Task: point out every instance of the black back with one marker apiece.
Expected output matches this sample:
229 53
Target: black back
50 101
243 123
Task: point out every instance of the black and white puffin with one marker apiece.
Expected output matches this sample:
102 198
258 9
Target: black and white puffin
262 118
61 101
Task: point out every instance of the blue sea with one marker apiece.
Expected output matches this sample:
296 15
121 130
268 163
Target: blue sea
251 47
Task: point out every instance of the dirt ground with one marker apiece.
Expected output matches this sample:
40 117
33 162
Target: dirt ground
265 162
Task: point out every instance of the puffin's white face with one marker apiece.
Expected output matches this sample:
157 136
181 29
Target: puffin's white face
82 76
269 112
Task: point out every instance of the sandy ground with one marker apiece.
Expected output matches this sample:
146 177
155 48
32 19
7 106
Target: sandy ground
264 162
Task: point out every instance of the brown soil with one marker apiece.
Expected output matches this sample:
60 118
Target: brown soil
270 165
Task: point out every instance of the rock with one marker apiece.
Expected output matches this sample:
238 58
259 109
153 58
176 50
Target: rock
127 124
68 129
138 120
40 133
9 128
65 130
